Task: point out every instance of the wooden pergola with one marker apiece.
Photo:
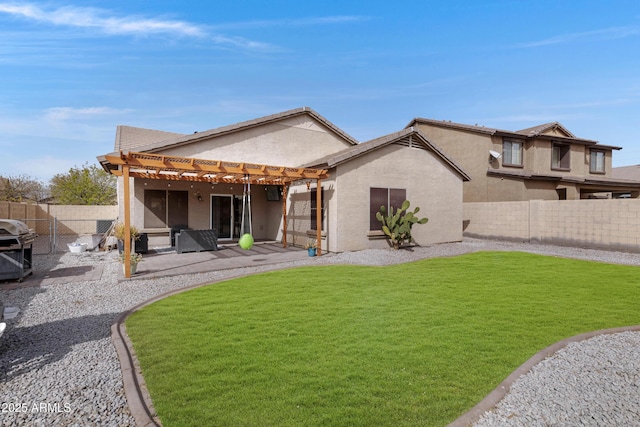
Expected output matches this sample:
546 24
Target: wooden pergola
157 166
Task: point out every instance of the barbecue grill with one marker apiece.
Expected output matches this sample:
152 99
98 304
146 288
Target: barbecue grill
16 249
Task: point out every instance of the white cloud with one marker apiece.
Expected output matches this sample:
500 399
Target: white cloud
300 22
105 22
96 18
243 43
66 113
43 143
604 34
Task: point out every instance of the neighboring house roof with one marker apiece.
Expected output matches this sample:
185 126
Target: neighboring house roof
533 132
541 129
409 137
626 172
129 137
599 181
452 125
180 139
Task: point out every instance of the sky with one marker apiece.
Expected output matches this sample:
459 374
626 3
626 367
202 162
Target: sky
71 71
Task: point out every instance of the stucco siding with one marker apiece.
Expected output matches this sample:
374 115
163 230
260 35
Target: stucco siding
499 188
579 160
299 227
289 142
470 151
430 184
266 215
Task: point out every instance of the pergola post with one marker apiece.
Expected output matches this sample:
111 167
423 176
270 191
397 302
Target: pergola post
127 223
319 216
284 216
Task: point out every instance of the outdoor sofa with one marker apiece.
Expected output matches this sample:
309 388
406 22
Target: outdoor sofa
196 241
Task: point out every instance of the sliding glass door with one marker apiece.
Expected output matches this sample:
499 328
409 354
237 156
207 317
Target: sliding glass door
222 215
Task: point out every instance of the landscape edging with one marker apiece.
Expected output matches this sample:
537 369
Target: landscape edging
141 406
492 399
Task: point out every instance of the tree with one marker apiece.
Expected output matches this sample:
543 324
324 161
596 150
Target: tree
22 188
89 185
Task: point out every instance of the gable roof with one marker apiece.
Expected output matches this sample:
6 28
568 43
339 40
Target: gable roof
626 172
128 137
409 137
532 133
541 129
180 139
452 125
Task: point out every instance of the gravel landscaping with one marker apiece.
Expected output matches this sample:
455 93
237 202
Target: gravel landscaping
58 365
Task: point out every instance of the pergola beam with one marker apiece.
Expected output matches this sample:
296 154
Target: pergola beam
144 165
213 178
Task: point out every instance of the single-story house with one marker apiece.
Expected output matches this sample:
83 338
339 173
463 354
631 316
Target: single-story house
198 180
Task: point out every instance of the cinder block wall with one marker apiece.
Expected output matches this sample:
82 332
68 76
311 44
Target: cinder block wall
605 224
504 220
70 219
20 211
78 219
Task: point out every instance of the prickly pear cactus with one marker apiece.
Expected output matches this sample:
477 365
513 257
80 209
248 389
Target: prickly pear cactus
397 226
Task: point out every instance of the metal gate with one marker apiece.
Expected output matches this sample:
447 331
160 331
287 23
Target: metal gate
54 234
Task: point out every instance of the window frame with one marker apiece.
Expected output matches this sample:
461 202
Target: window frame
314 209
564 156
507 153
174 208
592 167
394 199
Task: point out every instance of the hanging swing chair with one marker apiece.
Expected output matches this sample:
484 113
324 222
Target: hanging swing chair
246 232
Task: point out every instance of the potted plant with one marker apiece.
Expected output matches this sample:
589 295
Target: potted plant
311 246
134 260
118 232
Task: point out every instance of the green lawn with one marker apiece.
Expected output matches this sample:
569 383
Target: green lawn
411 344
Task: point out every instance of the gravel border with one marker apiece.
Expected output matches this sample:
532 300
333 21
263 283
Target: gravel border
59 365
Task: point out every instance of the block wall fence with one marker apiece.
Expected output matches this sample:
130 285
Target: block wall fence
602 224
71 219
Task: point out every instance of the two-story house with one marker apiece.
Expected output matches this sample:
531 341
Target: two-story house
545 162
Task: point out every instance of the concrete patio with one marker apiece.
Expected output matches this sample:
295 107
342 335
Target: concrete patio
166 262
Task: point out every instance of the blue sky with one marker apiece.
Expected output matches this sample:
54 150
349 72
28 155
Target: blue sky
70 72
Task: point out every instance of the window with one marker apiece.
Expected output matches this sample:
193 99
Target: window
512 152
164 209
314 209
560 156
596 165
387 197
